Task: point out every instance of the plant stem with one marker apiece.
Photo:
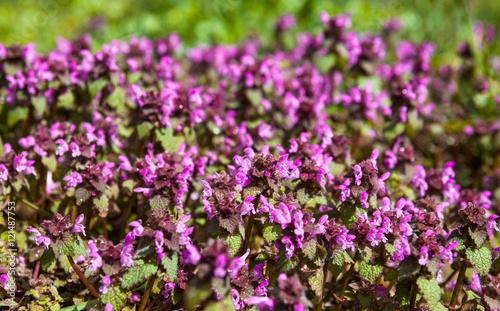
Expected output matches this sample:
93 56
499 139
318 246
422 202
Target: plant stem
346 281
145 298
319 307
458 285
82 277
414 292
34 207
248 233
153 302
37 270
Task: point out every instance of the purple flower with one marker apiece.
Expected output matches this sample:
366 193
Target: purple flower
285 22
236 264
27 142
183 230
62 148
39 238
4 281
263 303
235 296
475 285
73 180
4 172
23 165
363 198
220 266
108 307
345 240
95 258
358 174
391 160
491 224
190 255
424 256
78 227
261 290
320 228
127 255
468 130
75 150
403 249
159 242
247 207
265 207
106 281
169 286
125 165
299 227
446 252
345 192
375 235
281 215
289 248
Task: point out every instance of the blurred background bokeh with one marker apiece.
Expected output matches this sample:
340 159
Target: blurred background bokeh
228 21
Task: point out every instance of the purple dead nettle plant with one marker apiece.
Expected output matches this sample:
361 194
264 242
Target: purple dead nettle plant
345 172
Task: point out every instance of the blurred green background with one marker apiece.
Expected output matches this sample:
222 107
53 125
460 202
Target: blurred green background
227 21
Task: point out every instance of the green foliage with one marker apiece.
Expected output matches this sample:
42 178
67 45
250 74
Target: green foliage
138 273
271 232
430 291
480 258
69 244
115 296
234 242
48 260
369 271
170 264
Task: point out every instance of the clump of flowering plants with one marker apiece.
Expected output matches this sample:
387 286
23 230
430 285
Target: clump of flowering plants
346 173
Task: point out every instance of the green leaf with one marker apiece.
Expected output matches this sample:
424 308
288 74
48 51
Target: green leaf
67 101
309 248
115 297
340 257
170 264
79 246
408 268
225 304
350 214
234 242
138 273
48 260
480 258
461 239
195 293
271 232
254 96
430 290
168 140
478 236
402 294
145 248
16 114
102 203
144 129
82 195
159 202
284 264
65 245
40 104
369 271
50 162
316 282
117 100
